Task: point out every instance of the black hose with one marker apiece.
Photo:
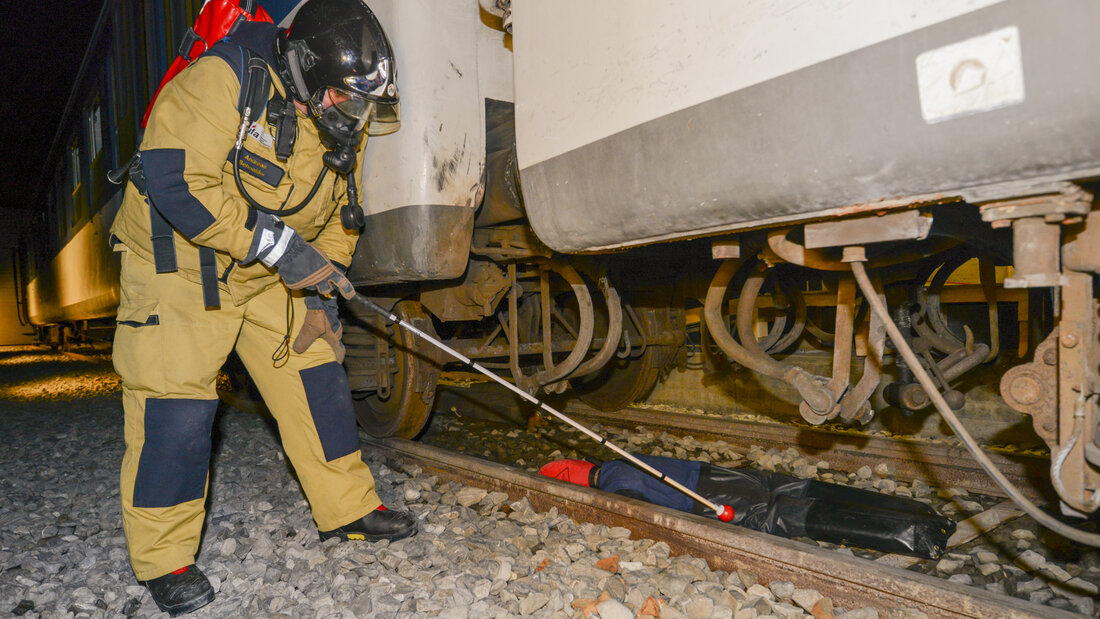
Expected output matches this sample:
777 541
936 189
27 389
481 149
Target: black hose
263 209
246 118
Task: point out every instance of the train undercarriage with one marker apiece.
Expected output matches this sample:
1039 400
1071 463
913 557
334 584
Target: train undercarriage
605 327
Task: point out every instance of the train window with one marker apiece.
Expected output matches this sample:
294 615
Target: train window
74 165
93 126
96 156
79 197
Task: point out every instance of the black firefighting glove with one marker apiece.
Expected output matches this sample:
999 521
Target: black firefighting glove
322 321
301 265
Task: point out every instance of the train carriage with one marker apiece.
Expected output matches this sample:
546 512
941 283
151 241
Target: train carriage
585 196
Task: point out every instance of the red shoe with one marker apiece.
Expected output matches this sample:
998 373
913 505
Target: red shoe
573 471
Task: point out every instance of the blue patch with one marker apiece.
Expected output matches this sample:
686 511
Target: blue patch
622 477
329 399
176 455
170 193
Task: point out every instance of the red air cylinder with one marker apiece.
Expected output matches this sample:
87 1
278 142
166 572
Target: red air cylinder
215 20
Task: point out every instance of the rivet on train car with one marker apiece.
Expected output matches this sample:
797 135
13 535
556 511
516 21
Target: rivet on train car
1069 340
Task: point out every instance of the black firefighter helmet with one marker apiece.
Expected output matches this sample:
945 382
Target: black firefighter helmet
338 47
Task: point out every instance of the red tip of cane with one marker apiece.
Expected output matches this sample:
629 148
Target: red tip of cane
726 513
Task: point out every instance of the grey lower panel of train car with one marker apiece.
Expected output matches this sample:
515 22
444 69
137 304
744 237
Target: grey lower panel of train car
413 243
843 132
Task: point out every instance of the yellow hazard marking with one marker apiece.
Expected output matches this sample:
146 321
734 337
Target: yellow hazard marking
357 536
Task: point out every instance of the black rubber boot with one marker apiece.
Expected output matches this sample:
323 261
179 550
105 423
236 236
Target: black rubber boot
378 525
180 592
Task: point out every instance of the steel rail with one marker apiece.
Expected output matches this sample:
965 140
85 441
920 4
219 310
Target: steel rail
849 581
939 464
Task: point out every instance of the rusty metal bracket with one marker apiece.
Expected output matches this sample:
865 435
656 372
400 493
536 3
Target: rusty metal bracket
1031 388
987 275
551 372
504 243
614 330
855 405
1068 200
1081 251
809 386
843 340
1036 232
911 225
1078 356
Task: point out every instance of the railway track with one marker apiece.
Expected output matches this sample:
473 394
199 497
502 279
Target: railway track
937 463
849 581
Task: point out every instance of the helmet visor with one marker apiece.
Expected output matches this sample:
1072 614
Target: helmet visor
381 118
351 104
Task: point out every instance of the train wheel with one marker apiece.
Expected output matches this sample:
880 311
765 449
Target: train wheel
403 407
625 380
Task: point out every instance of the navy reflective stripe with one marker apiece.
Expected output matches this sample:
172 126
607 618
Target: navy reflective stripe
329 399
208 270
176 454
164 241
170 193
150 321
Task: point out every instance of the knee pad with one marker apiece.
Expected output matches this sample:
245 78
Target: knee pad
329 399
176 455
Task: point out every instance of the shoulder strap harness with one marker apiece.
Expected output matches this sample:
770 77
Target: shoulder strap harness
252 71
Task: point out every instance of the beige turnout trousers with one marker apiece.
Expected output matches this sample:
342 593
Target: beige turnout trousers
168 350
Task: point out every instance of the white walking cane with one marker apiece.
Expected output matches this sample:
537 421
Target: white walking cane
724 512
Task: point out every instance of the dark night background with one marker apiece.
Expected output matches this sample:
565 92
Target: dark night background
41 46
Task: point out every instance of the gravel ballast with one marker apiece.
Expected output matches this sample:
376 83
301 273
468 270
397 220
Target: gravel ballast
63 553
478 554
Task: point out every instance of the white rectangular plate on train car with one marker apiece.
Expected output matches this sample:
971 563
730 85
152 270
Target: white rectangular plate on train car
976 75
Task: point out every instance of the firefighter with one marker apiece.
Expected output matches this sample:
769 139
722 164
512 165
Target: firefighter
234 235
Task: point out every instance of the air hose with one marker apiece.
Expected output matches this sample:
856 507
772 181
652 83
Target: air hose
1048 521
246 122
724 512
263 209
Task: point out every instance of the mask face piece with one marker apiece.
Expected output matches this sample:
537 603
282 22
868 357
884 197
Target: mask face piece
338 129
